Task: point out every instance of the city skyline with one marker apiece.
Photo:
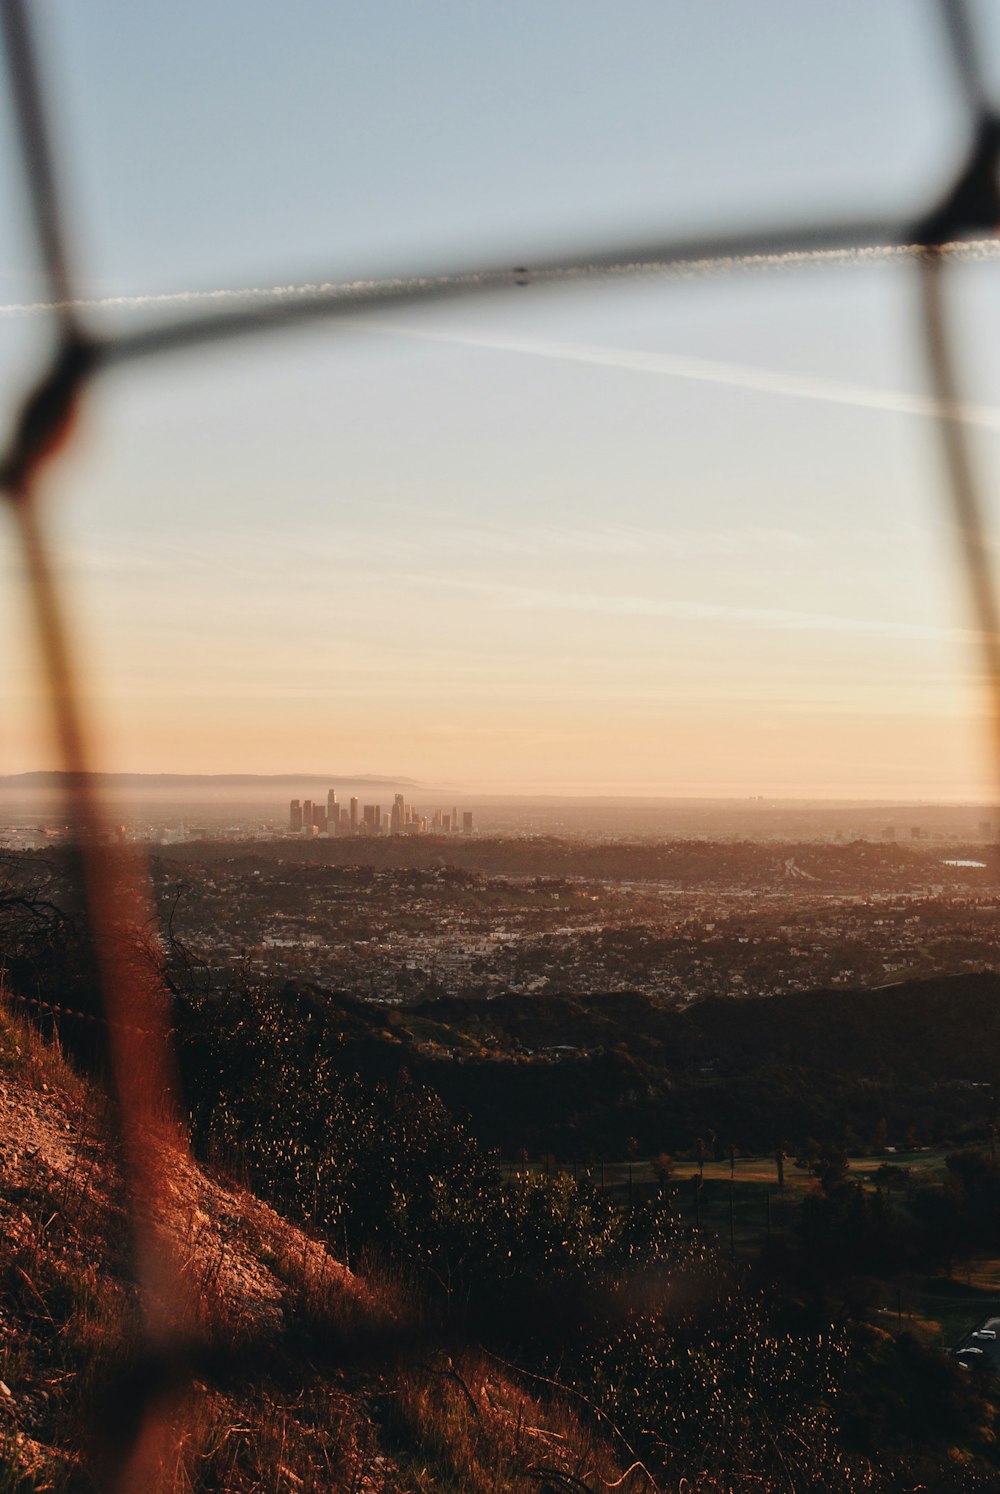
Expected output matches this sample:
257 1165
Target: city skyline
308 817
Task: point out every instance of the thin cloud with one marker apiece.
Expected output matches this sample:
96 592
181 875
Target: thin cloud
529 599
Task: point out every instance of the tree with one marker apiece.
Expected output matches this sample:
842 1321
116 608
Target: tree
890 1175
831 1168
662 1166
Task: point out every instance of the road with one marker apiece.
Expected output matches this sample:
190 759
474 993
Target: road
990 1346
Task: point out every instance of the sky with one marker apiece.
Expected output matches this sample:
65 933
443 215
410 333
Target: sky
654 535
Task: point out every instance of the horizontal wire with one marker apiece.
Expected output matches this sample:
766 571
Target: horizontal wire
360 297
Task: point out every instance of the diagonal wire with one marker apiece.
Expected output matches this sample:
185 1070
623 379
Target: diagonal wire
116 892
976 198
115 889
965 51
963 487
25 84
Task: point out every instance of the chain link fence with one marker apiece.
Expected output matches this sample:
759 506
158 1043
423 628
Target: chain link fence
115 884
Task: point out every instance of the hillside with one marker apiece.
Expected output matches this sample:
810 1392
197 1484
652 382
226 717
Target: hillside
435 1371
919 1058
576 1074
920 1029
307 1376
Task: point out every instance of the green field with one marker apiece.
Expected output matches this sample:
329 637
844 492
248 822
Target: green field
752 1177
739 1207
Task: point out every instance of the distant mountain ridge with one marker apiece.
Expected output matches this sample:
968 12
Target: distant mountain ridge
55 779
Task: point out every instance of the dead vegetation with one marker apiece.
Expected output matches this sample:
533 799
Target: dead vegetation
303 1377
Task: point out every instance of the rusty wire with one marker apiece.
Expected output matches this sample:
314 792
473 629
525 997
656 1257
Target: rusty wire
116 885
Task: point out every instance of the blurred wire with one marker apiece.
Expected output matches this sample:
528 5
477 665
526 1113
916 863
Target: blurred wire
963 488
973 200
25 83
962 41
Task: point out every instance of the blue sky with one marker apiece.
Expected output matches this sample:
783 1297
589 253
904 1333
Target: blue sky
655 535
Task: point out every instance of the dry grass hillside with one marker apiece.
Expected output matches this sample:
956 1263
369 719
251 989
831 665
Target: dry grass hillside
306 1375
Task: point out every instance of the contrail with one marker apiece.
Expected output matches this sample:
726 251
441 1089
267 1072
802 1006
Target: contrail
709 371
974 251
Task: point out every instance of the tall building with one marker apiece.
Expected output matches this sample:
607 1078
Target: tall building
454 819
467 822
396 816
295 815
307 816
332 813
319 818
354 816
373 818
